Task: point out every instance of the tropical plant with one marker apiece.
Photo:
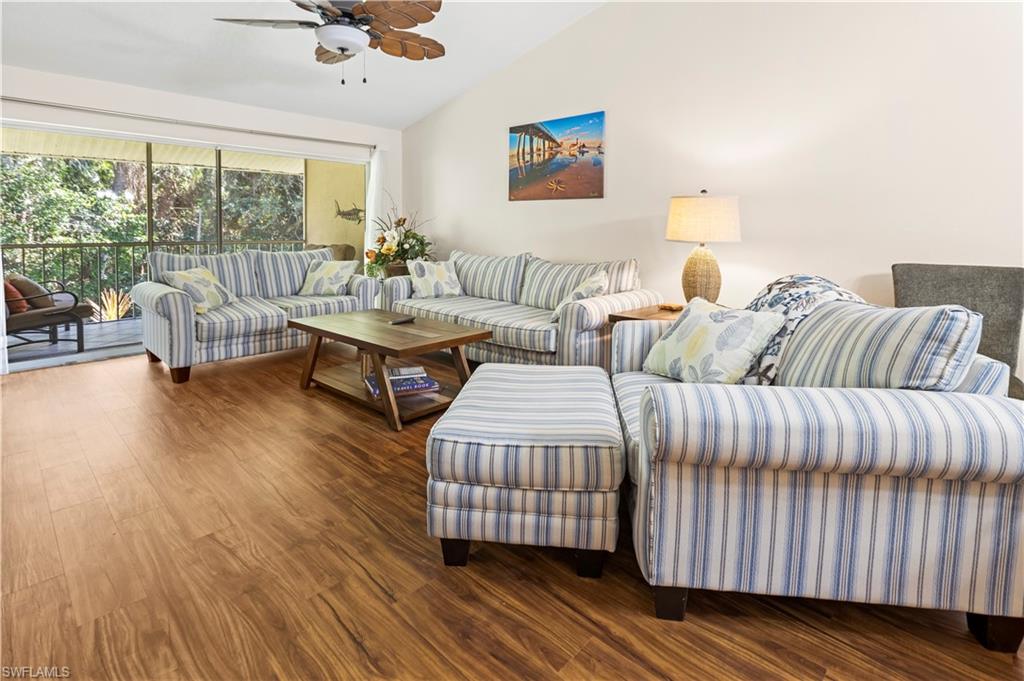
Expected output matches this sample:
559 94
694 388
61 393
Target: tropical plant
113 304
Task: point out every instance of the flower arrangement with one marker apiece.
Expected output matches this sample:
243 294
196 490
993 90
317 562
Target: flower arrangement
399 240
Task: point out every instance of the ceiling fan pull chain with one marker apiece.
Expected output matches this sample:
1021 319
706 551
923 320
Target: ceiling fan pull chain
364 66
342 73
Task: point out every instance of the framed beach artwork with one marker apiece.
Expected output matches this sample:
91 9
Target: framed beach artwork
562 158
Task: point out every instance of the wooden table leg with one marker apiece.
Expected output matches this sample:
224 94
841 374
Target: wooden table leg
387 395
311 355
461 365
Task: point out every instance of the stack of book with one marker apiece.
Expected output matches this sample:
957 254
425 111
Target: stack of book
404 381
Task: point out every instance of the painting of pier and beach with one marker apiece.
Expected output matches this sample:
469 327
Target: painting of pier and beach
558 159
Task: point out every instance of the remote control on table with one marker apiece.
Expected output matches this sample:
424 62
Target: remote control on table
402 320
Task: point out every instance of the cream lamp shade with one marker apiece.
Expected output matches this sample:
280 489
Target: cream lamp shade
704 219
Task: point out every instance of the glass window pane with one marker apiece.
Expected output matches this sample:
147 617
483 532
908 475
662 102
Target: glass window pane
184 194
336 204
261 199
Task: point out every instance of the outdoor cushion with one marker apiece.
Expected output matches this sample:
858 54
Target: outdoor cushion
487 276
28 288
514 326
313 306
629 388
235 271
15 304
545 284
282 273
856 345
244 317
40 317
530 427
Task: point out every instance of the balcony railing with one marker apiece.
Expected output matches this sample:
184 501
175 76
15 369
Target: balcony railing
89 269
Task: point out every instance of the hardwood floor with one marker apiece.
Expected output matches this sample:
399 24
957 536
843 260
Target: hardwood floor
237 527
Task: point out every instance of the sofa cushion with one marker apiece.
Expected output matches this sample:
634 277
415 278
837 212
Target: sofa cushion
491 276
328 277
244 317
545 284
313 306
514 326
281 273
202 286
235 271
530 427
856 345
433 279
629 388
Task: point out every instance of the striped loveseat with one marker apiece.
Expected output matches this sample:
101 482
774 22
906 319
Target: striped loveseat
514 296
902 497
266 284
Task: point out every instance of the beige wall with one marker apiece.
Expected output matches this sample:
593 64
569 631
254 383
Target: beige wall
327 183
855 136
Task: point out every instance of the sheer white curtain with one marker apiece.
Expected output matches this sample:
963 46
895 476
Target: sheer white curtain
375 197
3 332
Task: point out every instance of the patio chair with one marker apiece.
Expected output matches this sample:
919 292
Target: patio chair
24 326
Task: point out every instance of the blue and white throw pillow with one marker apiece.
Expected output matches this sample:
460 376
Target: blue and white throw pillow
712 344
856 345
594 285
328 277
433 279
794 296
202 287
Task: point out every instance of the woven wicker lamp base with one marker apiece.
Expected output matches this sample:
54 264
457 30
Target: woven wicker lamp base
701 276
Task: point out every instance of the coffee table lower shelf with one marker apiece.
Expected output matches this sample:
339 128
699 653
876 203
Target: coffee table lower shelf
347 380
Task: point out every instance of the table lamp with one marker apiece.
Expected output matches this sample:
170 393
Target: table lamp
702 219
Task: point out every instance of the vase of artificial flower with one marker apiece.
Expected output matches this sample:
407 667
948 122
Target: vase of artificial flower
398 241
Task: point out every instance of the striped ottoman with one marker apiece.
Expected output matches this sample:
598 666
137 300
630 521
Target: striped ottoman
528 455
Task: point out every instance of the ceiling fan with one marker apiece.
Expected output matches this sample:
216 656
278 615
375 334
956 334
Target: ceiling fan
347 28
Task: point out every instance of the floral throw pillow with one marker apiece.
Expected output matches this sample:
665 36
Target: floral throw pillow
433 279
328 277
712 344
202 286
594 285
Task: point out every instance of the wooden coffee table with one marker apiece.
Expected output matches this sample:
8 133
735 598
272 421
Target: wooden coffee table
369 331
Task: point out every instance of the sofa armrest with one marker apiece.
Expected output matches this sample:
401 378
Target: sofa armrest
893 433
592 313
396 289
632 340
162 299
366 289
985 376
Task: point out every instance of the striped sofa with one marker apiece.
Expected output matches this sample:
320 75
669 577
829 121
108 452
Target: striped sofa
514 297
266 284
902 497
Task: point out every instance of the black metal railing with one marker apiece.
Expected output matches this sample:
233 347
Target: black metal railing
89 269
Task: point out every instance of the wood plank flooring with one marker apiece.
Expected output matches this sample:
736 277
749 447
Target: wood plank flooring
235 527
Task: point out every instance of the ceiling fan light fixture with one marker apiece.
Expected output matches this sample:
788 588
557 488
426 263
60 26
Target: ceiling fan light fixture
342 38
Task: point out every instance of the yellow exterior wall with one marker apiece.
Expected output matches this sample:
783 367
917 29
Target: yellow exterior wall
326 183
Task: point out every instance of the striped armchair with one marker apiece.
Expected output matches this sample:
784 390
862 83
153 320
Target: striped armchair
903 497
514 297
266 284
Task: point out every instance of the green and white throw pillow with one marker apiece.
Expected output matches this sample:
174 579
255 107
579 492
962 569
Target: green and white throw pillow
328 277
712 344
433 279
594 285
202 286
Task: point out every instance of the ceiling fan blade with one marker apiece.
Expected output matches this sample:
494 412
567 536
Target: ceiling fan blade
433 5
272 23
410 46
325 56
326 7
308 6
400 15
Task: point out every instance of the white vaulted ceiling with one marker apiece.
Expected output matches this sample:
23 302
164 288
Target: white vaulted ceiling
177 47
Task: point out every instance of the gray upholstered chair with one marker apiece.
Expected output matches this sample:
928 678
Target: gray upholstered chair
995 292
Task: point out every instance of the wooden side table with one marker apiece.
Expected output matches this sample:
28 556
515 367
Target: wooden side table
643 313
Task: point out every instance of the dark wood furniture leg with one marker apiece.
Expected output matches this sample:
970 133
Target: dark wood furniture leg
387 395
53 334
670 603
590 563
181 374
1002 634
151 357
461 366
312 352
80 338
455 551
